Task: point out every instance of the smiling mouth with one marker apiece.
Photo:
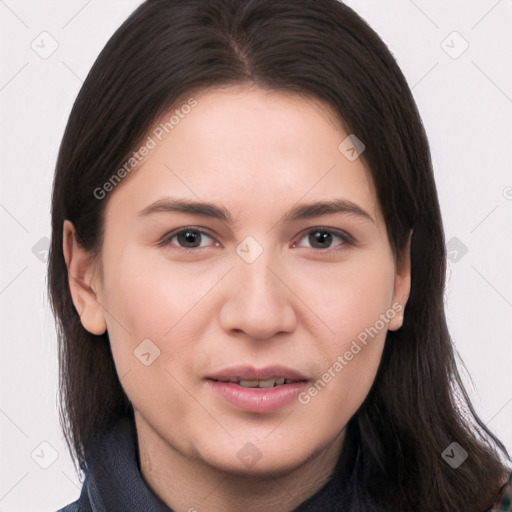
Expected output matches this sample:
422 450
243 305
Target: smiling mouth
263 384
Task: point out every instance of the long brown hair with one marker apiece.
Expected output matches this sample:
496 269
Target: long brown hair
166 51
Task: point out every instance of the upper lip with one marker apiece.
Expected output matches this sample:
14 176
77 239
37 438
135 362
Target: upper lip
251 373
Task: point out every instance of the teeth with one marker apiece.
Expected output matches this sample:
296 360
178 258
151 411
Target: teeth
269 383
249 383
265 384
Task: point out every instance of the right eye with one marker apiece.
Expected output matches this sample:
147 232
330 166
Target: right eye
188 238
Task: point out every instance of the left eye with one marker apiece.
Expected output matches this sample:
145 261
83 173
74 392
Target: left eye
322 238
187 238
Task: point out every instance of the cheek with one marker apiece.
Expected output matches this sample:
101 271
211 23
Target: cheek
354 305
152 294
160 302
349 296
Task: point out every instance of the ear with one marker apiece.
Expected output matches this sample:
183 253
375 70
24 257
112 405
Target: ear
402 285
82 282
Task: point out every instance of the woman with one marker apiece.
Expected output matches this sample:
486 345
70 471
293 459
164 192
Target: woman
247 269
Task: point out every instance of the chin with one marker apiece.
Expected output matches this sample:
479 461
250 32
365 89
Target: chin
266 464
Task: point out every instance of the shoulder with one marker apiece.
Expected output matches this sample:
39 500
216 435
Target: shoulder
503 502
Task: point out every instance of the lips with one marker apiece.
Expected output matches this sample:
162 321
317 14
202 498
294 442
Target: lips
257 390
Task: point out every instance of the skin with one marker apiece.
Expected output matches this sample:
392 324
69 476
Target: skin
257 154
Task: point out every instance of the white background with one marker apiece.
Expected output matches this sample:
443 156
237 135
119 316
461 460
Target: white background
466 106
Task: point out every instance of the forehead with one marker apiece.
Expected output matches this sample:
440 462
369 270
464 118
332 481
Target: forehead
248 149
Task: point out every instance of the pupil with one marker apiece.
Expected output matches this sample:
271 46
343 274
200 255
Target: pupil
322 237
188 237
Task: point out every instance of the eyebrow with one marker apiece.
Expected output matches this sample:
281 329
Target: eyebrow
211 210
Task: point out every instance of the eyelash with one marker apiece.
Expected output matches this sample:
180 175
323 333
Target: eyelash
347 240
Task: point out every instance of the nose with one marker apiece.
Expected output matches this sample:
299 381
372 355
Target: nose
258 299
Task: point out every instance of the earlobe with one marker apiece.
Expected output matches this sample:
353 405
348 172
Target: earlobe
80 265
402 286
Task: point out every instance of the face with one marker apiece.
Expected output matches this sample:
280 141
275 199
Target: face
260 286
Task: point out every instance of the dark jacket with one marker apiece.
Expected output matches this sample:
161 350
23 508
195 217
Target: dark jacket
113 482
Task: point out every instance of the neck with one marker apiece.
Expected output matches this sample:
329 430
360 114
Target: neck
190 484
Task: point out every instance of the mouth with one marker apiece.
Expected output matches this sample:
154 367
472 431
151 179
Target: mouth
257 391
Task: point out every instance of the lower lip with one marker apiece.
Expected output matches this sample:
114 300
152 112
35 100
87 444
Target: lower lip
257 399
